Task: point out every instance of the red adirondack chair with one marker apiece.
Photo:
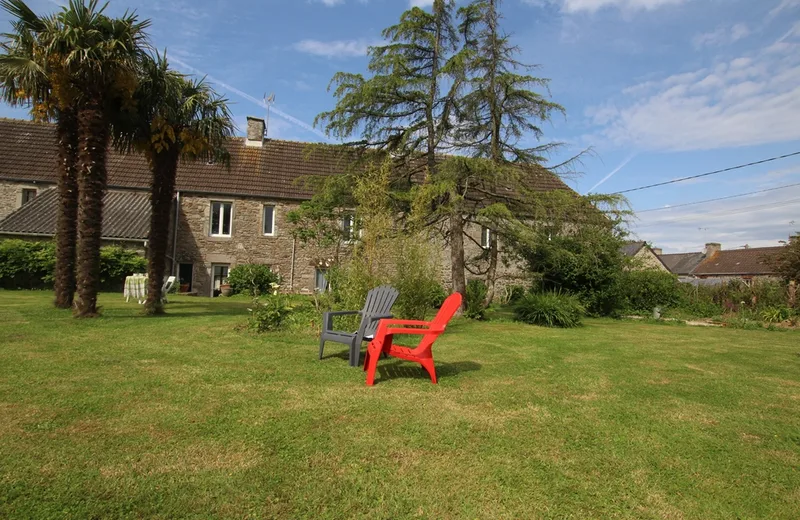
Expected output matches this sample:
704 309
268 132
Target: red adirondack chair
429 330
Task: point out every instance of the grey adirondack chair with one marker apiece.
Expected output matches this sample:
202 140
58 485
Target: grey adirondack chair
377 307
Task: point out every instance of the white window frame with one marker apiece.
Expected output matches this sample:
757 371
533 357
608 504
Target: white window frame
211 230
486 237
274 219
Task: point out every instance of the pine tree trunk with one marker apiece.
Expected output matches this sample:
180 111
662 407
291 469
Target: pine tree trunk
165 166
67 221
457 256
93 137
491 272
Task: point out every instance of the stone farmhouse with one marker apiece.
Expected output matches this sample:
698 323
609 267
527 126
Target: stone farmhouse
222 216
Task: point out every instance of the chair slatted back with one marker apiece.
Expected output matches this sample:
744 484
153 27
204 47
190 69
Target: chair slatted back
379 302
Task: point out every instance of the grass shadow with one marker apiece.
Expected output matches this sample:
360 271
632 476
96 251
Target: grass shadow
404 370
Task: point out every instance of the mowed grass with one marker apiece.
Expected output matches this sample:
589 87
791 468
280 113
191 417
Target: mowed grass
184 416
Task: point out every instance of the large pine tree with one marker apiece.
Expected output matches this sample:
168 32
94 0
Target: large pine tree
499 110
406 107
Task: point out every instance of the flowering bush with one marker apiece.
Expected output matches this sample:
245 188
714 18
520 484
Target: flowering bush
269 314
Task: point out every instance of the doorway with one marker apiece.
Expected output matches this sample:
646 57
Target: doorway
186 275
219 276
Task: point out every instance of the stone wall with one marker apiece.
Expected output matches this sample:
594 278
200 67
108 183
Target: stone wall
11 195
646 259
247 243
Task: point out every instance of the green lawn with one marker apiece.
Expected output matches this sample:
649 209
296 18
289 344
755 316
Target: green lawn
184 416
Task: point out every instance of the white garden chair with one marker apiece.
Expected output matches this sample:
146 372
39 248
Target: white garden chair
168 284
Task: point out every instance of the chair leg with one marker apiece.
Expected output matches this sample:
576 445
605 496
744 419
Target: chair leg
372 362
321 346
355 354
429 367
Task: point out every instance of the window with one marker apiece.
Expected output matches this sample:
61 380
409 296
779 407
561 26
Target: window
486 237
348 227
269 220
28 195
321 280
221 219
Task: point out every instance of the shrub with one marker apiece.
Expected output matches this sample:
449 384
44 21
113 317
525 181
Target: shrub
30 264
26 264
475 307
416 278
269 313
776 314
116 263
252 279
645 290
550 309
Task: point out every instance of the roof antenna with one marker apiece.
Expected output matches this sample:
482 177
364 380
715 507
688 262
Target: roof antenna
268 102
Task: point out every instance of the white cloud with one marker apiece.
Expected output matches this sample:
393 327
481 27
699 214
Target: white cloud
785 5
331 3
591 6
420 3
750 100
333 49
722 36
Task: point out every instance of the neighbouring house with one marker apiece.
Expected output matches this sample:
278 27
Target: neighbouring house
716 265
221 217
644 256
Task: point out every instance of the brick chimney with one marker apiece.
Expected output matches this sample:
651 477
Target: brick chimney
657 251
255 132
711 248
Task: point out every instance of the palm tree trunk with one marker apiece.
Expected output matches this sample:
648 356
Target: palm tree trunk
67 223
165 167
93 138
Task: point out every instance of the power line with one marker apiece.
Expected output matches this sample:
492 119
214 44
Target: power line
720 198
708 173
718 214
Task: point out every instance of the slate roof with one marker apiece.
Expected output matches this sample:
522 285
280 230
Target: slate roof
631 248
126 216
682 264
755 261
278 169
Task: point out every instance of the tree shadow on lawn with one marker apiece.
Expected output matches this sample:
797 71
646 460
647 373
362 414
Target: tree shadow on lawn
186 309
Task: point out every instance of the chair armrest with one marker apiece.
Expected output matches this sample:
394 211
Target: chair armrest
327 317
407 322
420 332
376 317
341 313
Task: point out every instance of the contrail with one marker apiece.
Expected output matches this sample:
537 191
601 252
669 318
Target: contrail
248 97
616 170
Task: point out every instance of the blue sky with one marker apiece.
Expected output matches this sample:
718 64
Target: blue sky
658 89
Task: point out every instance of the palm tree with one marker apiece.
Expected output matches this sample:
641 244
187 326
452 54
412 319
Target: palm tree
25 79
177 118
98 58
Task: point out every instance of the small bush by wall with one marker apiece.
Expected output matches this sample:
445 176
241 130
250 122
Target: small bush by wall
252 279
475 307
550 309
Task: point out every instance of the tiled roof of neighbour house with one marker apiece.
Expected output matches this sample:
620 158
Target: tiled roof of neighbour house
278 169
682 264
631 248
753 261
126 216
